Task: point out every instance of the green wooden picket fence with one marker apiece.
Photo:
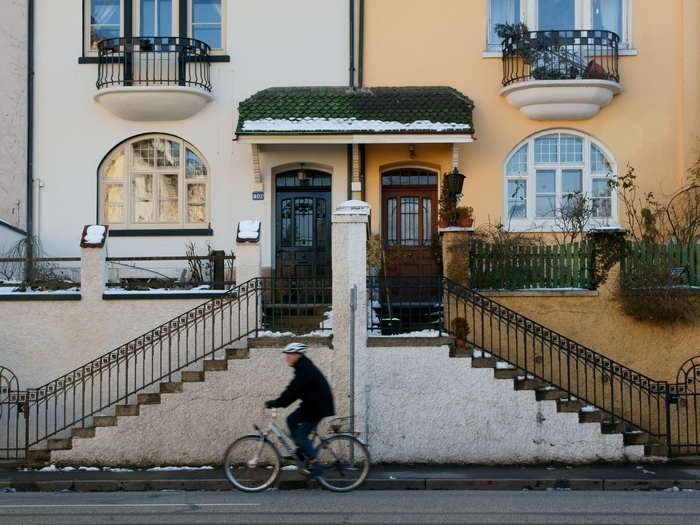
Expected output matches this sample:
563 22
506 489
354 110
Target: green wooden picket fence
661 264
497 267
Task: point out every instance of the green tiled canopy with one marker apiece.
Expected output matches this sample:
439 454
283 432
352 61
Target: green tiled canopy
300 110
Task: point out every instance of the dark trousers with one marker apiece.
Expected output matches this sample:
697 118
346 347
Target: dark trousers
300 428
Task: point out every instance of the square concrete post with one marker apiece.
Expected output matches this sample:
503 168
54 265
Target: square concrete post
248 267
93 262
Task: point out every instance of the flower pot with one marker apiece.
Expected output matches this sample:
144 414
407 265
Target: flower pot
390 326
460 343
465 223
443 224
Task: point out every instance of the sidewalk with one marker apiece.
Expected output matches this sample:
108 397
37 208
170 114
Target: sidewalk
593 477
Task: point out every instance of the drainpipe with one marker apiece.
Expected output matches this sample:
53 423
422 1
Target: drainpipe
29 207
361 44
352 43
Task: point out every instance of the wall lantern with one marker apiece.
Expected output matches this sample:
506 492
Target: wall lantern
301 174
455 181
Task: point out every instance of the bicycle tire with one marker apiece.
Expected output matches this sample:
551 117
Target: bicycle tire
345 461
244 471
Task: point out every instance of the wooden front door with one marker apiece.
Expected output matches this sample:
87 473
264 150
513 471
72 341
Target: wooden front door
303 229
409 218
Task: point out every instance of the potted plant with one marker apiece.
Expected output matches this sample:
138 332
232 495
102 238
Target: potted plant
461 330
465 217
446 207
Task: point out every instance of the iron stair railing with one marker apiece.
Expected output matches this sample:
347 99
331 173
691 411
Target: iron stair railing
119 376
626 397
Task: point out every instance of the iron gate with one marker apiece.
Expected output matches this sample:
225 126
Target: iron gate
13 420
684 411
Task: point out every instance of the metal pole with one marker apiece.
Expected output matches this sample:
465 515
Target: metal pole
353 307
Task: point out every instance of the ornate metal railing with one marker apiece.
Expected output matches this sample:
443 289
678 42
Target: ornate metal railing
561 55
297 304
153 61
626 397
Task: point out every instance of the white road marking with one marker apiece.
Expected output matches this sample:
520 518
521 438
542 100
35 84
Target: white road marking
140 505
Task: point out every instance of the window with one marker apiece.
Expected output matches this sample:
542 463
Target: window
543 15
547 171
199 19
154 182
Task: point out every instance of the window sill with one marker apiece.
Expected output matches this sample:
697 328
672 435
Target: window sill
96 60
161 233
622 52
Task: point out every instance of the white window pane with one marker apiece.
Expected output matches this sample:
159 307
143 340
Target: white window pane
105 19
196 213
601 188
556 14
546 149
209 34
195 168
545 188
142 198
502 12
518 162
599 162
571 149
545 206
114 203
206 22
607 14
571 181
517 199
115 167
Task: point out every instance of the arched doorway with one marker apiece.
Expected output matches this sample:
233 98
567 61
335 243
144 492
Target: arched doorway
302 229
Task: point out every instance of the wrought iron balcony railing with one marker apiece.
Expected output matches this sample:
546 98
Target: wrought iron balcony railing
153 61
584 54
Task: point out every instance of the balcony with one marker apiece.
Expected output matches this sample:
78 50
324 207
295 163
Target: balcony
153 78
560 75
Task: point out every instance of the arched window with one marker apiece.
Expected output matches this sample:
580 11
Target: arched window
154 181
549 171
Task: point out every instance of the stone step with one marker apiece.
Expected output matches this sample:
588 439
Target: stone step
460 352
170 388
635 437
192 377
216 365
505 373
484 362
610 427
38 456
237 353
656 449
590 416
88 432
528 384
104 421
568 405
60 444
127 410
148 399
548 393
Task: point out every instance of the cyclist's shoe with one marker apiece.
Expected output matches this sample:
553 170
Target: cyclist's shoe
316 471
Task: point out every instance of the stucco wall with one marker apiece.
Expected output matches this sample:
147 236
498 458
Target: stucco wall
416 405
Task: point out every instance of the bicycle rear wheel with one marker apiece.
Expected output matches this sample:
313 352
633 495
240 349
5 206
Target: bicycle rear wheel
345 462
251 463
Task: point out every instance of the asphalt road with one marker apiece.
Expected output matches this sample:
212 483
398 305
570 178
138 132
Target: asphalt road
406 507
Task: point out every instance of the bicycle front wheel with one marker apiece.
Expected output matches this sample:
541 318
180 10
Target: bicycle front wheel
345 462
251 463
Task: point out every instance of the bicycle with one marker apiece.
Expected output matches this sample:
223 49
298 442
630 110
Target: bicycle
253 462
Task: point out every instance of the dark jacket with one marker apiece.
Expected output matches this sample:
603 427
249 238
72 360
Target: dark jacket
311 387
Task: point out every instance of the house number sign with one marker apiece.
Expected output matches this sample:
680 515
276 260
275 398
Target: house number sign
258 196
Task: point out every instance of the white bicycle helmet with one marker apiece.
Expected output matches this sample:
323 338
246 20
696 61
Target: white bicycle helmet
295 348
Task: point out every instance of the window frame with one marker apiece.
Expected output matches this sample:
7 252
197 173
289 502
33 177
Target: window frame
129 23
584 20
128 224
531 222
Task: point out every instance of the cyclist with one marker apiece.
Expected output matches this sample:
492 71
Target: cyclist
311 387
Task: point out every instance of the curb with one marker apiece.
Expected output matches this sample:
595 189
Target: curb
370 484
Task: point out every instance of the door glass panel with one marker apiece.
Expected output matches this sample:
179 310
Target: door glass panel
391 222
427 221
409 221
321 222
142 195
556 14
286 223
545 195
303 222
156 17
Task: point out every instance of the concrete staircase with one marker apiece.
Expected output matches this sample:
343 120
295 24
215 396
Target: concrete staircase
546 392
